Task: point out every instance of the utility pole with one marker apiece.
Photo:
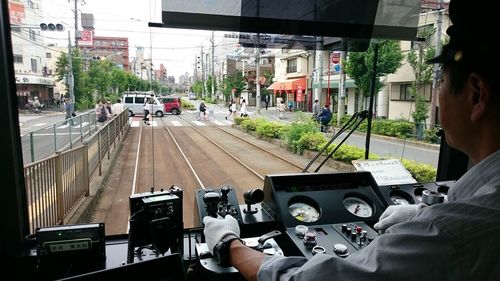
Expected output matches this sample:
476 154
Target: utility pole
71 79
204 91
76 22
341 97
257 75
437 70
319 69
212 64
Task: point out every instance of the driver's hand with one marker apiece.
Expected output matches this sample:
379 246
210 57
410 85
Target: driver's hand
395 214
217 228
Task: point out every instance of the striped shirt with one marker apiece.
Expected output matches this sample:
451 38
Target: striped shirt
458 240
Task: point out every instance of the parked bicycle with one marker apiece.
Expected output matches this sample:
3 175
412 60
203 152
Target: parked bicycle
209 115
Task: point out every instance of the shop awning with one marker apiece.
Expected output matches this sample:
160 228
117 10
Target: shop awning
288 85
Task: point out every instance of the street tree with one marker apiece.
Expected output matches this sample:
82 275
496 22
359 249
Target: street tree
359 65
233 81
421 51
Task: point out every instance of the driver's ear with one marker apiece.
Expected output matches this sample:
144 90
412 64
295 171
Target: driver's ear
480 96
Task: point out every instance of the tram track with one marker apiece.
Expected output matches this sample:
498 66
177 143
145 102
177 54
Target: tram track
191 158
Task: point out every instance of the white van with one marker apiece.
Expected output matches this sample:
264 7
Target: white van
135 102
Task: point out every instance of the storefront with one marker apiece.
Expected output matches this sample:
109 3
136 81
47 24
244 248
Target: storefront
31 86
292 91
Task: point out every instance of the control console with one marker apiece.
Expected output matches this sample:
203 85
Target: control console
334 239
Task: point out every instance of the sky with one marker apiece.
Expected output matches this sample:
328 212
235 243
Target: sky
175 48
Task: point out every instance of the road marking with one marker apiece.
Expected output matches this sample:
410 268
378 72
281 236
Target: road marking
135 124
176 123
228 122
199 123
39 124
219 123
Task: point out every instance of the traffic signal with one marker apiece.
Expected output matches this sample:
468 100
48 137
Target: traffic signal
51 27
96 58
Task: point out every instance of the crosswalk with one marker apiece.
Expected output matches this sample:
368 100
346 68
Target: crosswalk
176 123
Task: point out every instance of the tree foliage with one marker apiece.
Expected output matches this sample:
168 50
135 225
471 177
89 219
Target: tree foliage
100 79
360 64
417 56
233 81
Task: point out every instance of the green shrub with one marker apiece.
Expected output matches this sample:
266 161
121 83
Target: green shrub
430 135
249 124
310 141
296 130
346 153
270 129
420 172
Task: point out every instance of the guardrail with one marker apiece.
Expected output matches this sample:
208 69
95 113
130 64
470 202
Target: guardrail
56 184
43 142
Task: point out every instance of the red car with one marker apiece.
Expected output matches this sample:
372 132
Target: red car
172 105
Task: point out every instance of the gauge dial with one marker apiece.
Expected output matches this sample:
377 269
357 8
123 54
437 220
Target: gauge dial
398 200
358 207
304 212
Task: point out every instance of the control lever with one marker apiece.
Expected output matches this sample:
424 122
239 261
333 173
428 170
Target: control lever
260 245
211 200
252 197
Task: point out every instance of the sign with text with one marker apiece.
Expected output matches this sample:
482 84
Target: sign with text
385 172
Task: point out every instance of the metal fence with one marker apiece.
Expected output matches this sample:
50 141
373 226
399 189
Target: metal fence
43 142
56 184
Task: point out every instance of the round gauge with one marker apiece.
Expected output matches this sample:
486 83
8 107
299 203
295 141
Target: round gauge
304 212
358 207
398 200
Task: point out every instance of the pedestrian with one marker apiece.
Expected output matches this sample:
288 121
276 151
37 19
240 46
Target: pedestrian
266 100
109 113
232 109
281 109
117 107
101 112
315 110
69 110
148 110
243 108
455 240
325 117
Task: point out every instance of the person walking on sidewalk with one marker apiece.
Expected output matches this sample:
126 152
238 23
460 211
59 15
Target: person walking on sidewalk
243 109
232 109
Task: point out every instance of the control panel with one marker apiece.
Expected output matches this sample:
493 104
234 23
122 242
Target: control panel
333 239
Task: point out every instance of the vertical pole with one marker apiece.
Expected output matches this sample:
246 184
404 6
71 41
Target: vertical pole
76 24
70 71
212 64
257 75
32 147
437 70
372 96
341 96
328 92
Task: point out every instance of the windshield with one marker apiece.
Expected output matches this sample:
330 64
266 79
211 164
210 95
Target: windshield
263 68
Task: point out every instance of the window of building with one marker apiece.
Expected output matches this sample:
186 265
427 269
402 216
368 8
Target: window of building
18 58
32 35
48 55
291 66
34 65
404 92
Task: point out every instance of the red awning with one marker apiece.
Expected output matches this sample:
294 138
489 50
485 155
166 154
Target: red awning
288 85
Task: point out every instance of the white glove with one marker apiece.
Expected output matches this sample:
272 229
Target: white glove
217 228
395 214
